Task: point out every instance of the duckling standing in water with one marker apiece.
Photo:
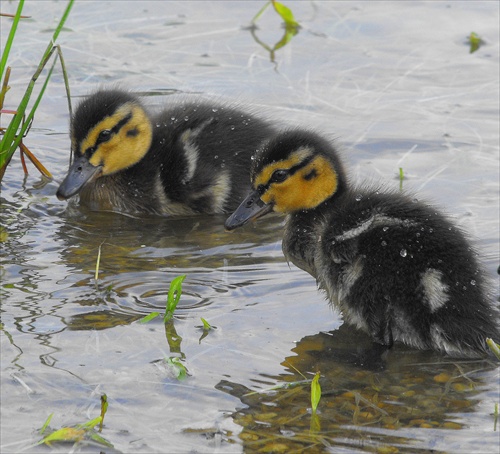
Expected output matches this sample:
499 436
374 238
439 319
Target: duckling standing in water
395 267
180 161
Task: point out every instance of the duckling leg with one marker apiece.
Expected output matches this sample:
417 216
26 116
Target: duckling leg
383 333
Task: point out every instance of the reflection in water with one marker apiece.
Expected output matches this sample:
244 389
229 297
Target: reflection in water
140 256
372 411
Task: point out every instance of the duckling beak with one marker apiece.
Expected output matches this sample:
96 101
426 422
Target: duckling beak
80 172
250 209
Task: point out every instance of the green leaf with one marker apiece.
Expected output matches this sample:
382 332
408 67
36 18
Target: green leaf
177 367
64 435
101 440
494 347
206 326
89 424
98 262
174 295
10 39
475 42
315 392
149 317
46 424
285 13
290 32
104 409
261 11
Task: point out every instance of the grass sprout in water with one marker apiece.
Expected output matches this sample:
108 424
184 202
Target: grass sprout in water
315 392
172 363
78 433
315 425
206 327
475 42
174 295
290 24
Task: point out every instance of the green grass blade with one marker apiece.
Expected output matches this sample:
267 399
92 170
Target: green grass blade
98 262
89 424
315 392
66 80
178 369
494 347
174 295
46 424
104 409
15 139
9 142
10 38
61 23
285 13
100 440
149 317
66 434
475 42
401 178
206 326
261 11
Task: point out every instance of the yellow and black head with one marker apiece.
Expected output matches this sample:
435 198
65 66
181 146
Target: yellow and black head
295 171
110 132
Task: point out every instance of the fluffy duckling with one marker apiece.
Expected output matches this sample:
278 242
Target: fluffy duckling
180 161
395 267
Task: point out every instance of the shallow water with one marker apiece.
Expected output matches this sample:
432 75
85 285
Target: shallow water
395 85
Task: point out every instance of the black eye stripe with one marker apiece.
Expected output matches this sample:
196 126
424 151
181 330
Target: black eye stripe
264 187
106 134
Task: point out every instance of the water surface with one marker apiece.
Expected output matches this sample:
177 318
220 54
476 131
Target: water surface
394 84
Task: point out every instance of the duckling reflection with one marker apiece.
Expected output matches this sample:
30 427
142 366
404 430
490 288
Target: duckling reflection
397 268
361 409
139 256
181 161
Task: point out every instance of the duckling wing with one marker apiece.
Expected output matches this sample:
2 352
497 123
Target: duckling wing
206 155
402 271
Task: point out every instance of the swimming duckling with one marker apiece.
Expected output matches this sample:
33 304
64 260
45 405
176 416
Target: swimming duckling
395 267
180 161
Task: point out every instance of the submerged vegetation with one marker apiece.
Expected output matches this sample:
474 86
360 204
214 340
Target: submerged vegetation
83 433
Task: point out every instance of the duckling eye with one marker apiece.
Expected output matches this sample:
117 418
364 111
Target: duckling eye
279 175
104 135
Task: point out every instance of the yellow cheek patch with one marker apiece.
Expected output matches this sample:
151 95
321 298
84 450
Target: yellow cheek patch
127 147
107 123
305 189
295 158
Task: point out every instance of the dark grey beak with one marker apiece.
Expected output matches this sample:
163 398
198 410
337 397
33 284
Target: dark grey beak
80 172
250 209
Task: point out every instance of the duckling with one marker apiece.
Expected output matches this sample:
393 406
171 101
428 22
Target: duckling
177 162
396 268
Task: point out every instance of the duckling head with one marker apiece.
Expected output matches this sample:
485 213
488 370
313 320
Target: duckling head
110 132
295 171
